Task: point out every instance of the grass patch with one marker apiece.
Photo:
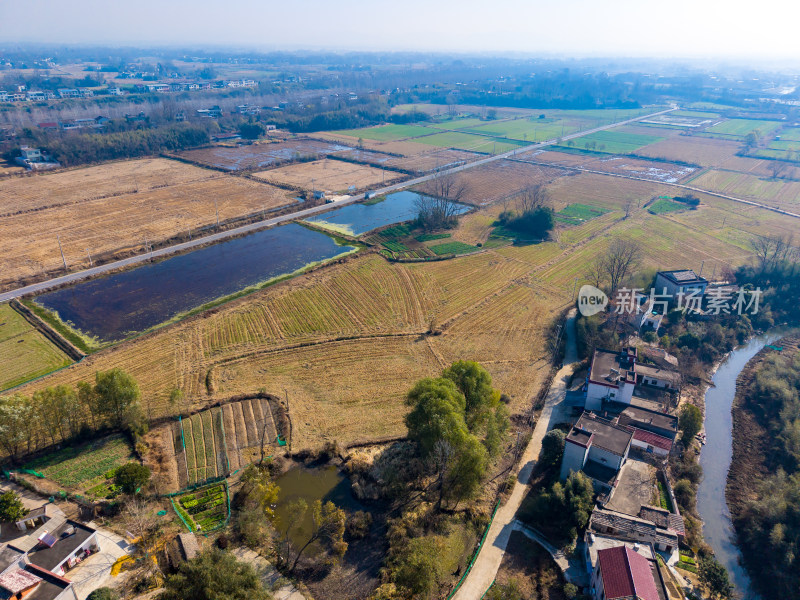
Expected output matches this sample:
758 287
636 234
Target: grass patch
84 466
663 498
25 353
452 248
83 343
374 200
663 206
576 214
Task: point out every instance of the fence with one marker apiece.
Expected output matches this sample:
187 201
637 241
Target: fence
475 554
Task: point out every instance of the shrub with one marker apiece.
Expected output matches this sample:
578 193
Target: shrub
358 524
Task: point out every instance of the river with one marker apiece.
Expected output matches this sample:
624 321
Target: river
715 458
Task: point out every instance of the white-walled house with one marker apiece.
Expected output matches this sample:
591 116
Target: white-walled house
597 447
683 282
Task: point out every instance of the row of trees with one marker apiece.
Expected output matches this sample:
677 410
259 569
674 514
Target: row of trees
769 524
64 413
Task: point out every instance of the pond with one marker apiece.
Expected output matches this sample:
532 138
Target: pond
118 305
715 458
355 219
311 484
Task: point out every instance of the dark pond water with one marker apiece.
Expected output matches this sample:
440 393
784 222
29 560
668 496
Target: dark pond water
715 458
322 483
355 219
113 307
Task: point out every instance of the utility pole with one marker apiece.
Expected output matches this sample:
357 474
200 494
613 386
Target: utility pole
574 287
90 258
216 209
701 268
64 260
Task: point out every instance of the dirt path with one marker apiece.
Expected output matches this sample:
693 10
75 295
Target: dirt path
488 561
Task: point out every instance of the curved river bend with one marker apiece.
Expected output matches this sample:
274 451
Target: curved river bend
715 458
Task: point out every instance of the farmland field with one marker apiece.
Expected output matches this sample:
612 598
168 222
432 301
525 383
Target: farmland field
385 133
81 467
612 142
333 175
466 141
575 214
737 129
108 211
663 205
260 155
499 179
24 352
780 193
206 508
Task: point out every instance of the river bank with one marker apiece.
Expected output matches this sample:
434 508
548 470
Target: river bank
716 458
752 448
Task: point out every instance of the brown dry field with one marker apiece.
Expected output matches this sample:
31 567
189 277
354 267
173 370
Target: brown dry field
397 147
104 181
696 150
260 155
622 165
11 170
499 179
333 175
420 163
493 307
115 225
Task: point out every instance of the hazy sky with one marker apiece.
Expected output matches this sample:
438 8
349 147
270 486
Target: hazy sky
753 29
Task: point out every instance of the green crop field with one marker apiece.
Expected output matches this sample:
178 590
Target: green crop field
575 214
82 467
452 248
662 206
739 128
458 123
612 142
205 508
386 133
529 130
24 352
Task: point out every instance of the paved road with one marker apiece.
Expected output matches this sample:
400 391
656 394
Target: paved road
678 185
486 565
133 260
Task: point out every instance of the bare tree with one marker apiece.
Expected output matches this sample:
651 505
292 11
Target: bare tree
440 206
628 208
595 272
619 261
532 197
777 168
771 250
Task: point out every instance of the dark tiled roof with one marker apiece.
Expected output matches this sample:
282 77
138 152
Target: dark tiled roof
605 434
637 416
51 586
663 518
50 558
8 556
683 277
626 574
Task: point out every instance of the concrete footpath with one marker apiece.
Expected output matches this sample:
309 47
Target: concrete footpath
486 565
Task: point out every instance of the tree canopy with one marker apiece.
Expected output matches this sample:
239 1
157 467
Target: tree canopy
11 507
214 575
131 477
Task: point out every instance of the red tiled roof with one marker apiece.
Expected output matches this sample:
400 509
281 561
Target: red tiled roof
626 574
651 438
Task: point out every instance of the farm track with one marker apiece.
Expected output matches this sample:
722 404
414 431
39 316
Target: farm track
134 260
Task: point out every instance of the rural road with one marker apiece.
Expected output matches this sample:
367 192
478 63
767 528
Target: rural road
216 237
484 569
